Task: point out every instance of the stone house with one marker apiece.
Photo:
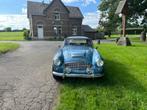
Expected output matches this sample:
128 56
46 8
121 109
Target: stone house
54 19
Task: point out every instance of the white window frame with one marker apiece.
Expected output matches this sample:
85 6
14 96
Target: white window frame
57 16
60 28
57 28
74 30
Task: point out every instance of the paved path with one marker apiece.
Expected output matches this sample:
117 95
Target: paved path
26 82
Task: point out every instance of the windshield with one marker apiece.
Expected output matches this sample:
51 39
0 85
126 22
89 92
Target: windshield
78 42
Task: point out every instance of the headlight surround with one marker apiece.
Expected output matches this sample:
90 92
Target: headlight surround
57 62
67 70
100 63
89 71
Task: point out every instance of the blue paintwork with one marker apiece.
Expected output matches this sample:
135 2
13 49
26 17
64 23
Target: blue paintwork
72 53
77 53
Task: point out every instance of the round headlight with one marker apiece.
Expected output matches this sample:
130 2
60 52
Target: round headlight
100 62
57 62
67 70
89 70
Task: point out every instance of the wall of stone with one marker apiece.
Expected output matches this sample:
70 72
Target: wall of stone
49 21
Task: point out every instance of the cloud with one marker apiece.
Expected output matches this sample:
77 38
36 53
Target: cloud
84 2
14 21
21 21
92 19
70 1
87 2
24 10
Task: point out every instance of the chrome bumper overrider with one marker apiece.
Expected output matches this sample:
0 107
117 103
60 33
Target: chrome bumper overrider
78 75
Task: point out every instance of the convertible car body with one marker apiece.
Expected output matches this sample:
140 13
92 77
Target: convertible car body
77 58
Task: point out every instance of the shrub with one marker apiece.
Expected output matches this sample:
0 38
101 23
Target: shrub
8 29
26 35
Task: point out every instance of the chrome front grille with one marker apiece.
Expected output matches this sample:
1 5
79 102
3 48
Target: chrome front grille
77 65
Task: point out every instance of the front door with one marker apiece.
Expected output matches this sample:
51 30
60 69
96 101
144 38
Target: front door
40 32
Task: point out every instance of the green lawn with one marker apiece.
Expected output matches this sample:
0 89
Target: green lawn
12 36
134 38
5 47
124 86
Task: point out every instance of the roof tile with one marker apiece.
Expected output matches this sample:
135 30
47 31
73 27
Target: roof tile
37 8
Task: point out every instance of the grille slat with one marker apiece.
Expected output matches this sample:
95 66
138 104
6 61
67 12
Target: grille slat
77 65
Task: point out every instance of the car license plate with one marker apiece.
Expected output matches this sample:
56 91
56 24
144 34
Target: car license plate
78 71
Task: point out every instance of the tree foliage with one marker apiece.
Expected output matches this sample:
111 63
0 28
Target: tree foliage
8 29
110 21
137 7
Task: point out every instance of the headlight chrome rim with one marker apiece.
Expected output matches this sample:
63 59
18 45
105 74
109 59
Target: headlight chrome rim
57 62
100 62
67 70
89 71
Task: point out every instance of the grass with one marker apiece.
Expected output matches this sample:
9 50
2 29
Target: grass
124 86
134 38
5 47
11 36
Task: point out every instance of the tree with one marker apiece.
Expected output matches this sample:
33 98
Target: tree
26 34
138 9
8 29
144 23
110 21
24 29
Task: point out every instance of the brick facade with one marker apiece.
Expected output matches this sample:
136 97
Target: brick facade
56 20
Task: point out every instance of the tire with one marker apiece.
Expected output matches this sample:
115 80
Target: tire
57 78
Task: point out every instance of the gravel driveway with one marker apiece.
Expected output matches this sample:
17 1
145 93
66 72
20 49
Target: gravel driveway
26 82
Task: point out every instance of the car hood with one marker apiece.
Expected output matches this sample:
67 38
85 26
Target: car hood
78 54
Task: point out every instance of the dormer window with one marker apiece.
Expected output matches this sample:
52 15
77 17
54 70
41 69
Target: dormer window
57 16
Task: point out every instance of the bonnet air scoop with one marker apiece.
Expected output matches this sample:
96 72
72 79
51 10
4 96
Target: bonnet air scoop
77 55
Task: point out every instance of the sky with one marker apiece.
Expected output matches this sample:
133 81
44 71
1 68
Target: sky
13 13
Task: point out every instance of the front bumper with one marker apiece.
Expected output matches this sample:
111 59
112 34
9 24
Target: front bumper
78 75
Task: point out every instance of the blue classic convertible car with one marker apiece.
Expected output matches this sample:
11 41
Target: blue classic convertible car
77 58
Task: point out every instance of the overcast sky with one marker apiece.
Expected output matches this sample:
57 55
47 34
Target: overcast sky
13 12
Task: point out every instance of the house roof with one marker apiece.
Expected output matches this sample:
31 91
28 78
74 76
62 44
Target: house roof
37 8
87 28
74 12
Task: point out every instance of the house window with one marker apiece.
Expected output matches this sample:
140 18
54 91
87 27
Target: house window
40 26
74 30
57 16
57 30
60 30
